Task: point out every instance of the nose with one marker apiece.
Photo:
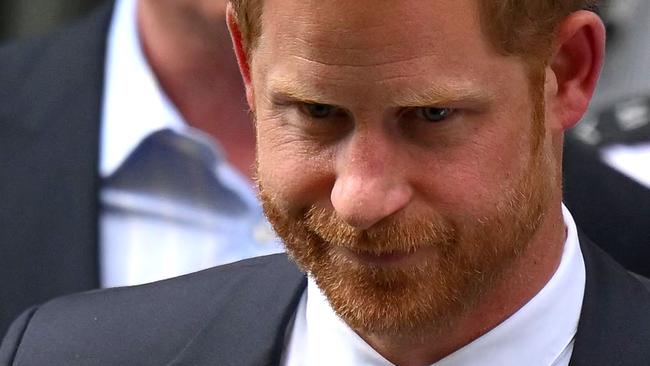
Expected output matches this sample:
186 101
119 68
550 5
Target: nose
371 182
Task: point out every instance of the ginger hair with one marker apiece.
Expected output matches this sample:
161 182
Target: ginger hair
523 28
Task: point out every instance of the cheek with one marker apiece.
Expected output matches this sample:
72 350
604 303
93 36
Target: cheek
471 179
293 172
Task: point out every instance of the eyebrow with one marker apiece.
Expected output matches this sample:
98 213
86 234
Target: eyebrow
438 95
289 90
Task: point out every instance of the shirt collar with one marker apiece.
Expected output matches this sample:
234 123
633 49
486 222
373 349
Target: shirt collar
134 105
541 330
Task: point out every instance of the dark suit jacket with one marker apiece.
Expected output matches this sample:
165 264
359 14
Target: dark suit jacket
50 99
238 314
609 207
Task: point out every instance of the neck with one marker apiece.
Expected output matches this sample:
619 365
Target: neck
520 283
189 50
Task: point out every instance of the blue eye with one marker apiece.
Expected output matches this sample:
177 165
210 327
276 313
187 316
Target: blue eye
318 111
432 114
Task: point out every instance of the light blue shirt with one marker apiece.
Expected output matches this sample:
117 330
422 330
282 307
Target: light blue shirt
170 202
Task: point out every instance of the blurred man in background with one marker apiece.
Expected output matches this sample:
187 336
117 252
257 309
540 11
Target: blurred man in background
127 153
607 157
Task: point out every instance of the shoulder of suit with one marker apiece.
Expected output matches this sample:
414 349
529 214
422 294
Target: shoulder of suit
210 285
119 325
644 280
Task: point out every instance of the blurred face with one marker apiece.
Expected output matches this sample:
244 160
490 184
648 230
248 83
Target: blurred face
208 8
401 159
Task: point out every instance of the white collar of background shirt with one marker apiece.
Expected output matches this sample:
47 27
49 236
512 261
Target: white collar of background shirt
146 236
540 333
134 104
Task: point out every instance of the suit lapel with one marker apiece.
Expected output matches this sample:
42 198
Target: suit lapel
250 328
51 124
614 326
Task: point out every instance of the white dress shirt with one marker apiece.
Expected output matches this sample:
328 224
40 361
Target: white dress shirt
541 333
170 202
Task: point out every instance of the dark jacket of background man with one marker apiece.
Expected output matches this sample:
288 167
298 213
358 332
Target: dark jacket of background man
50 111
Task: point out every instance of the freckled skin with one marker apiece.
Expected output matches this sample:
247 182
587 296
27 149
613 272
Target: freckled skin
468 160
372 161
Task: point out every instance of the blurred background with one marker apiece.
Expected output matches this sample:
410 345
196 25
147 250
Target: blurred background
26 18
22 18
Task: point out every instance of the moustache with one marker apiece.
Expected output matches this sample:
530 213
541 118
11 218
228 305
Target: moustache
397 234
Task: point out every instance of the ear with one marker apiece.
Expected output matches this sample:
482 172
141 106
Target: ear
240 52
579 50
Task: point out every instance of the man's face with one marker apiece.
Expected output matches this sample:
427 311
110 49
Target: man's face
396 155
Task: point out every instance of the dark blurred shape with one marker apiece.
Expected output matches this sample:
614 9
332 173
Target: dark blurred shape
612 209
610 202
624 122
21 19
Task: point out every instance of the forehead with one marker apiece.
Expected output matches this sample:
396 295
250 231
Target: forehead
343 30
362 43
